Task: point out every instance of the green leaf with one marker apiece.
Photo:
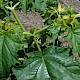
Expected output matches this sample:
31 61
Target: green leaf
52 64
54 30
3 10
24 5
10 43
1 1
74 38
8 78
40 5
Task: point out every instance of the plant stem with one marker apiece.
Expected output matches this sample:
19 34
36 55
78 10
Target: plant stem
37 44
38 31
18 20
12 9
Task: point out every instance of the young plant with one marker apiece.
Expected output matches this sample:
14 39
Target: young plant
53 62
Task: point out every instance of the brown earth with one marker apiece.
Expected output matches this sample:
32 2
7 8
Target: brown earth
73 3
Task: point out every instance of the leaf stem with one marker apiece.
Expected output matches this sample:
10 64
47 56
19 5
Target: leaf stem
12 9
37 44
18 20
38 31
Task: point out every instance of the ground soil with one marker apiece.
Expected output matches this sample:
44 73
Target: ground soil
73 3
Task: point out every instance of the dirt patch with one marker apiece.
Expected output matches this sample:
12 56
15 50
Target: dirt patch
73 3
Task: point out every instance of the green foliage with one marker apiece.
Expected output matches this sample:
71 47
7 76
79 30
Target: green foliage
44 5
3 11
40 5
10 43
74 37
25 5
34 5
46 56
8 78
53 63
65 22
1 1
54 30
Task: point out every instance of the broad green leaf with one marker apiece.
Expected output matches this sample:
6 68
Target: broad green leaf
10 43
52 64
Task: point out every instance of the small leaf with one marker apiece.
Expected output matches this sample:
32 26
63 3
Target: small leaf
21 59
66 17
54 30
59 7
